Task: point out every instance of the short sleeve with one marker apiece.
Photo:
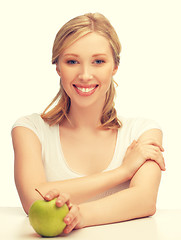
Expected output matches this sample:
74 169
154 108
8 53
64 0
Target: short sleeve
32 122
141 125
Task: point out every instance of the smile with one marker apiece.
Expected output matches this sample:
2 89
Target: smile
85 90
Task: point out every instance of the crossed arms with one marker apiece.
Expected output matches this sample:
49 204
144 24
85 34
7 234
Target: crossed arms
142 165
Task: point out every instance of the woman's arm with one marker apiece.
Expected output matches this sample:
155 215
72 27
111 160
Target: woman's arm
30 174
139 200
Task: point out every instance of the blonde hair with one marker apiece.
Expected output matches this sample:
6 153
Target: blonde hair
67 35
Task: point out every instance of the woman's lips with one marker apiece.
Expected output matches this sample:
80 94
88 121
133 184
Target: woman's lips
85 90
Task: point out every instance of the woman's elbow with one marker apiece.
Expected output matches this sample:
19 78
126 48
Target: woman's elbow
26 210
26 206
147 205
26 202
152 210
149 209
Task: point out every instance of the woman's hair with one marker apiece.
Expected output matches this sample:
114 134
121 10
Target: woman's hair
67 35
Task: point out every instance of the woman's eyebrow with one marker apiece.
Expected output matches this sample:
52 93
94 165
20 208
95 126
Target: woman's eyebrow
99 54
71 54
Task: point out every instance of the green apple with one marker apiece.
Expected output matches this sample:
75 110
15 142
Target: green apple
46 218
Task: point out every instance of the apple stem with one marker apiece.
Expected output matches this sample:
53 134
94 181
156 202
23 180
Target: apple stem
39 193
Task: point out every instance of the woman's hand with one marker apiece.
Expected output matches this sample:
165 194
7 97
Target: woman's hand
73 219
139 152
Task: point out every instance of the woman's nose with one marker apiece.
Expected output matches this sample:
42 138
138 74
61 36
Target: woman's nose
85 73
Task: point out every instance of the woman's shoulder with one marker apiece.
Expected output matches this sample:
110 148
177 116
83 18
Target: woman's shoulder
136 121
29 120
137 125
33 122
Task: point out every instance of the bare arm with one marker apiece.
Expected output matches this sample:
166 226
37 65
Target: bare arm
139 200
29 174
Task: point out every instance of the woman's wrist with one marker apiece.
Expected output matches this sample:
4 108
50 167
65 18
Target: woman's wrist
84 216
90 214
124 173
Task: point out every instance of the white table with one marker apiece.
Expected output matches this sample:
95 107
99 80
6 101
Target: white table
164 225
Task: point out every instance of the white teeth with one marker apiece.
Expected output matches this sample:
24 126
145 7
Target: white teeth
85 90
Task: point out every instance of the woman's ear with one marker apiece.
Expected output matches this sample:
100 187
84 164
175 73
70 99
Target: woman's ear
58 70
115 70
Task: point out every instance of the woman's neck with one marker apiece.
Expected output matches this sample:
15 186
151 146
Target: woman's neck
85 118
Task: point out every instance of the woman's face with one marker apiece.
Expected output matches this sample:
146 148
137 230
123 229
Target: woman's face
86 69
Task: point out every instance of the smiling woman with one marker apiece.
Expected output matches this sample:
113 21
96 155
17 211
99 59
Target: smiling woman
86 71
80 151
65 40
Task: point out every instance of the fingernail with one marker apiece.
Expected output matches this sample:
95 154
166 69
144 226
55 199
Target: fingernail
66 230
59 202
67 219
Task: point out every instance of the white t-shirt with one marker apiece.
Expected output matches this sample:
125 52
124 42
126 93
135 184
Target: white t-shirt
56 167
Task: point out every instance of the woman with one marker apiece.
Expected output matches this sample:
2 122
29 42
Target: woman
80 151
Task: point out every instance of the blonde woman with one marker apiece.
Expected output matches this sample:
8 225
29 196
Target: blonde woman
106 168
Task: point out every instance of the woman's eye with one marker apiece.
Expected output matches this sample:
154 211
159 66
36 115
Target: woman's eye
72 62
99 61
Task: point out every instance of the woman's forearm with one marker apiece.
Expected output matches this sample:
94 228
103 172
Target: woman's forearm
83 188
125 205
139 200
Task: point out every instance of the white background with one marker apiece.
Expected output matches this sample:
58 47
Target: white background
148 77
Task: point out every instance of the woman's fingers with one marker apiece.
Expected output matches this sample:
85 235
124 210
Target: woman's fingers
72 219
72 214
71 226
161 161
51 194
153 142
151 151
156 155
158 145
62 199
